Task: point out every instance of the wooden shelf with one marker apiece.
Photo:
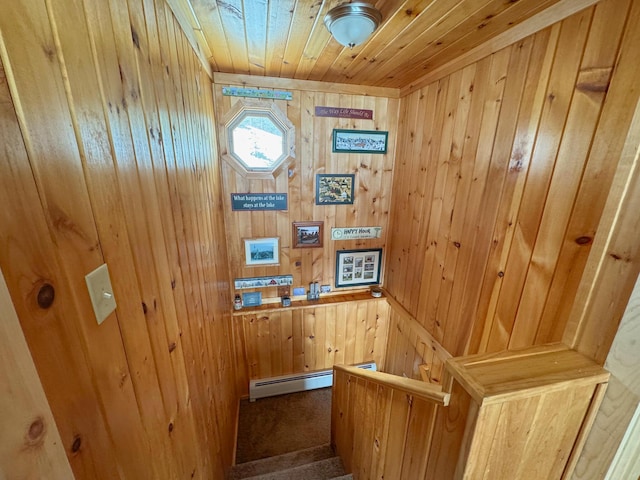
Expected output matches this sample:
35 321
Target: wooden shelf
298 304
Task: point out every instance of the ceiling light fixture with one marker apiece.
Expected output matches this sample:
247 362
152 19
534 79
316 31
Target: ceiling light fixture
352 23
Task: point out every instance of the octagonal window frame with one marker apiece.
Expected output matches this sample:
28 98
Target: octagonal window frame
244 108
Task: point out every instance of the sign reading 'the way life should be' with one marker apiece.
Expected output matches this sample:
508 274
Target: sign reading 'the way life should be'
355 233
344 112
258 201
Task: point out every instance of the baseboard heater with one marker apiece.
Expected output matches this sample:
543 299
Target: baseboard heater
297 382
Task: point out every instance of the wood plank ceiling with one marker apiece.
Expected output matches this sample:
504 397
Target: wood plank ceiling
287 38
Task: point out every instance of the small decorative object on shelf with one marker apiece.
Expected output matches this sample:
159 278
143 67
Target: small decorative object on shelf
286 301
376 292
237 302
314 291
252 299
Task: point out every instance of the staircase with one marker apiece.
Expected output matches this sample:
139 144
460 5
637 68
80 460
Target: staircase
315 463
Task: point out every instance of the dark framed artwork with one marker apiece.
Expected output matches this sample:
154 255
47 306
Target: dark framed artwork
307 234
358 267
334 189
359 141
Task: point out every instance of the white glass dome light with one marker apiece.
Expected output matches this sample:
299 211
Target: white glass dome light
352 23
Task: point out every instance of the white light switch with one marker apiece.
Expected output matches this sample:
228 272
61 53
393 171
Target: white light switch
101 292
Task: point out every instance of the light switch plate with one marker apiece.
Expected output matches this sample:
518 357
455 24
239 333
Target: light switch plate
101 292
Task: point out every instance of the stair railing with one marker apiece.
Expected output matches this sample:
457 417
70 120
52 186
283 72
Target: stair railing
416 388
374 415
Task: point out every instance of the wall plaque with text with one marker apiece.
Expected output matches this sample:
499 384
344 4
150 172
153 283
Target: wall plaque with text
344 112
258 201
355 233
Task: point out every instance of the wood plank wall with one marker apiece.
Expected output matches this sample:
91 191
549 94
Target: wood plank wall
297 340
30 445
373 173
503 171
109 155
410 348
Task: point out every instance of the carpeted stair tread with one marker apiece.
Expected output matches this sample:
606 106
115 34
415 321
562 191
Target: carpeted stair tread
281 462
320 470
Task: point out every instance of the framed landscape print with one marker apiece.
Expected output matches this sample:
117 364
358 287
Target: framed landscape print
261 251
359 141
334 189
307 234
358 267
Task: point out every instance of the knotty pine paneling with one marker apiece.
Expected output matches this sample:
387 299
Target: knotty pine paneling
283 341
503 171
110 156
409 346
31 446
372 190
288 38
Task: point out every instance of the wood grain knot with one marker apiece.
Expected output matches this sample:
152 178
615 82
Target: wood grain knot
172 346
144 308
170 427
135 38
77 443
584 240
46 295
501 274
35 433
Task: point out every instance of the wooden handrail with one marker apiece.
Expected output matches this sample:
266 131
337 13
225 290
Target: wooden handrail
426 391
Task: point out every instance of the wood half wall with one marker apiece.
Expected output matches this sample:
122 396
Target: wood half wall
342 330
109 155
503 171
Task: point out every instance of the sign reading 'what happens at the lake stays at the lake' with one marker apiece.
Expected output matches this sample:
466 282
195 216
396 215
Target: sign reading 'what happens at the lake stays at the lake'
258 201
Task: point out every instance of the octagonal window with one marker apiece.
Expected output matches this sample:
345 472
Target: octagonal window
259 139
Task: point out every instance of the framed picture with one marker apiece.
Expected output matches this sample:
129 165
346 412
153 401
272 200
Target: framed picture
359 141
334 189
358 267
251 299
307 234
261 251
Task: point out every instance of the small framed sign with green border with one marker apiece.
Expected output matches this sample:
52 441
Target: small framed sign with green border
359 141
